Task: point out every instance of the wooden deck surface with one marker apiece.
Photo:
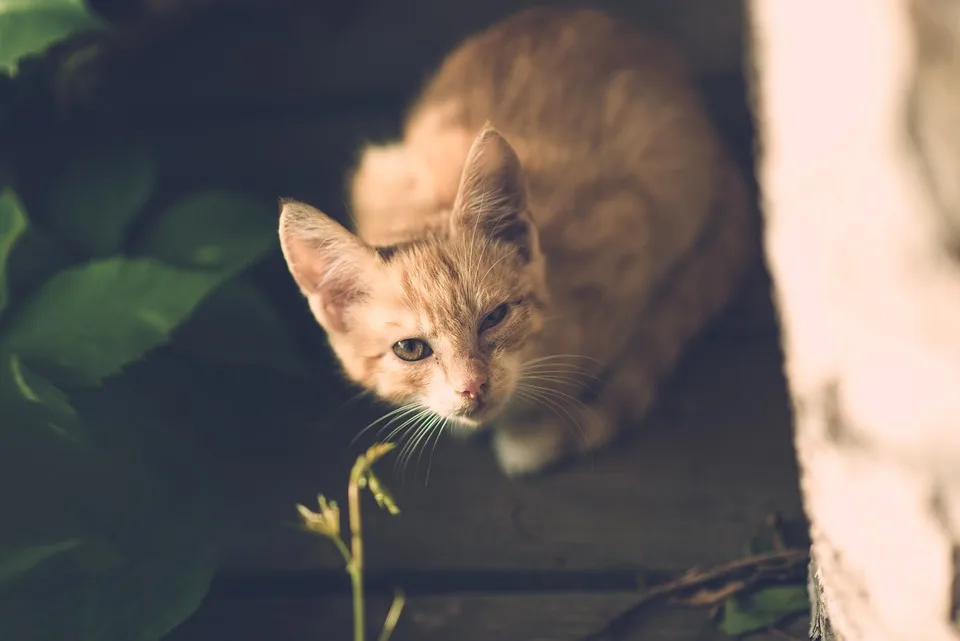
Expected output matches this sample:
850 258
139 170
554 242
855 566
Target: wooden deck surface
487 558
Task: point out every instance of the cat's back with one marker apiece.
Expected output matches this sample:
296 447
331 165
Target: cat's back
591 103
553 71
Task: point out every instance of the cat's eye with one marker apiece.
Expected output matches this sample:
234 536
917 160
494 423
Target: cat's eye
494 318
412 349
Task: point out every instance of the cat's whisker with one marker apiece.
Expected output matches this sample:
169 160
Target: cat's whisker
410 445
563 395
419 442
405 438
410 417
414 435
436 441
536 396
398 432
554 393
424 441
573 426
356 397
401 411
559 380
551 357
572 375
567 367
495 263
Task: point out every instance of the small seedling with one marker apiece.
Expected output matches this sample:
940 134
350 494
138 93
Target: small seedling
326 523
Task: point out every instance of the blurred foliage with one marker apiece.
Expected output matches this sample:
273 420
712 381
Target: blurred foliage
30 26
767 606
107 527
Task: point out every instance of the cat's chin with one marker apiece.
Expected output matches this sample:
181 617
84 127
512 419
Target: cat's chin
470 425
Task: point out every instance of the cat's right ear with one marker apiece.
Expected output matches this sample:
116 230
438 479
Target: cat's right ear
327 261
492 197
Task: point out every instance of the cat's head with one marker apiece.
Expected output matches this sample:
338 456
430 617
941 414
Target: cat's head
445 321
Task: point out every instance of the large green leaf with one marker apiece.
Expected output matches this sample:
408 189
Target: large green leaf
212 230
88 322
13 224
106 547
237 324
30 26
100 194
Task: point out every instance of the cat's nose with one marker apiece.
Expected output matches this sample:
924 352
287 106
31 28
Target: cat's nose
474 389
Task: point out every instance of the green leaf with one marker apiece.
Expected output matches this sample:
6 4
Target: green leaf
35 258
762 609
87 322
215 230
31 26
238 325
18 561
100 194
142 598
36 389
13 224
106 548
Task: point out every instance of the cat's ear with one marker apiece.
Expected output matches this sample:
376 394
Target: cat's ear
329 263
492 197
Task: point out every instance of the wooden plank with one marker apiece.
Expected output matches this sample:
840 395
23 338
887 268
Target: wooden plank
462 617
686 488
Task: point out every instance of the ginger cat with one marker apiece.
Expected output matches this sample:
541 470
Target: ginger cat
559 220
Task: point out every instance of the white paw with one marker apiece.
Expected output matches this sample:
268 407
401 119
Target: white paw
527 451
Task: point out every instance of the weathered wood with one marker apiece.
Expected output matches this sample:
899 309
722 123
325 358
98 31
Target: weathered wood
687 488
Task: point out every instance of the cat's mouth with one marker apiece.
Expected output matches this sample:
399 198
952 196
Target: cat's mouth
477 414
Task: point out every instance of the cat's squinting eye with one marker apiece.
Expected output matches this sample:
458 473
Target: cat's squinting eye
494 318
412 349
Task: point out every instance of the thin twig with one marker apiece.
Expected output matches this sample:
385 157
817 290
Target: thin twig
737 576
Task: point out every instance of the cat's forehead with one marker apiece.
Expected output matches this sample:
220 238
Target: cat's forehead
445 282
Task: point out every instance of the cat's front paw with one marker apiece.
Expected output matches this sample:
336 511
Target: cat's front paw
528 450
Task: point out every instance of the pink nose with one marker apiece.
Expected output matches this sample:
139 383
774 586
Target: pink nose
474 389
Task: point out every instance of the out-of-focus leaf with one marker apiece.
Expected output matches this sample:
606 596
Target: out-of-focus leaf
35 258
87 322
214 230
30 26
237 324
100 195
17 561
97 544
13 224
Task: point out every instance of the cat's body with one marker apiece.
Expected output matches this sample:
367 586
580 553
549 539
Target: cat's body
626 231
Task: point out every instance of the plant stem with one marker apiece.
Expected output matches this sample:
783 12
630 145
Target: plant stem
344 552
393 615
355 566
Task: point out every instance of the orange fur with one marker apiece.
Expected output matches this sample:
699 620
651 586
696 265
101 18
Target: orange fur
602 208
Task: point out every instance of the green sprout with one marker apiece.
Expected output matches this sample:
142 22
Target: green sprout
326 523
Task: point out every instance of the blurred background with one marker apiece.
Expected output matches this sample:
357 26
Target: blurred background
165 397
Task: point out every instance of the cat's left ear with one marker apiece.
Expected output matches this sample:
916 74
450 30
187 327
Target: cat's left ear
492 197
